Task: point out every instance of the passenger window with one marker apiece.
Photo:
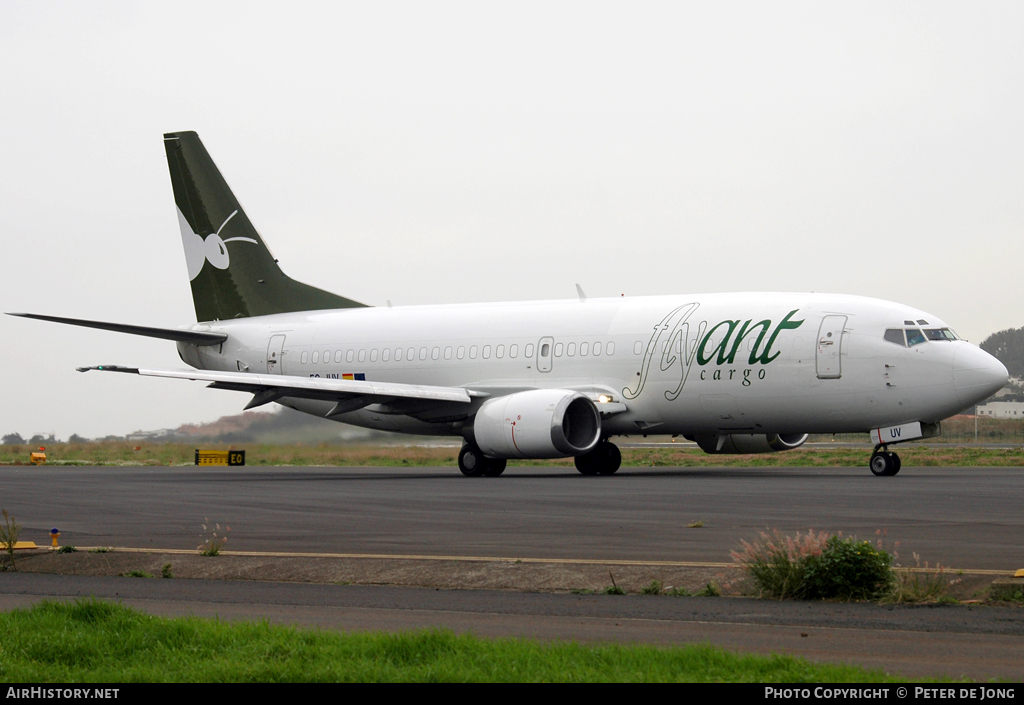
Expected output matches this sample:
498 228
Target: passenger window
398 354
513 351
327 356
499 352
337 355
461 352
584 349
305 357
316 356
472 352
545 349
486 353
914 337
362 356
348 356
895 335
610 350
597 348
558 350
570 349
410 354
638 347
373 355
423 353
385 354
448 353
435 353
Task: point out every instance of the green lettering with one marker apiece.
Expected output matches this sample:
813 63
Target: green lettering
784 324
720 348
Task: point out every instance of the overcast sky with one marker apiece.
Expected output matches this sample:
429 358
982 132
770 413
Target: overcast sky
453 152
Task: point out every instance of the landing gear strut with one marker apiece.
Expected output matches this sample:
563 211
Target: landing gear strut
605 459
884 462
473 463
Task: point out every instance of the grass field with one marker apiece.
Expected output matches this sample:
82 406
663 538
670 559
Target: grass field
125 453
94 641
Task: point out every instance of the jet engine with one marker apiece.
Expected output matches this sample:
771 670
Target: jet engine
736 443
541 423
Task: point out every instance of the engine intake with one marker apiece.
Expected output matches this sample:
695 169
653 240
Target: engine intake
742 443
541 423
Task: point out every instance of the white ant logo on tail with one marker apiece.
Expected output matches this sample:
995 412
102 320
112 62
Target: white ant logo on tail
212 249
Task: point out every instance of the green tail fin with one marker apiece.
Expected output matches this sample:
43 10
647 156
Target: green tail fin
232 272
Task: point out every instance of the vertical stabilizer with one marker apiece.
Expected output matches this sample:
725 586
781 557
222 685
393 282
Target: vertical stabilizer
232 272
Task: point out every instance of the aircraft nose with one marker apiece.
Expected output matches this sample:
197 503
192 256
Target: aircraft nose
976 374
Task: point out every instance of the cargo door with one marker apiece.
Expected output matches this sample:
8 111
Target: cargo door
274 352
828 357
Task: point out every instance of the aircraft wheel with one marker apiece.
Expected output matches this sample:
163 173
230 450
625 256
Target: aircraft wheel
610 458
883 465
895 464
472 462
494 466
587 463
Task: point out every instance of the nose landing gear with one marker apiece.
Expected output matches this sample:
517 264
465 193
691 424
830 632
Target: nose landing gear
884 462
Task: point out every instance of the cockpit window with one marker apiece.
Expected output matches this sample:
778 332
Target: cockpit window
895 335
914 337
940 334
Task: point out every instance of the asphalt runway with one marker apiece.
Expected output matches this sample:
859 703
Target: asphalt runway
964 518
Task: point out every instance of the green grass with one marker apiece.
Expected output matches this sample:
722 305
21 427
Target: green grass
94 641
361 455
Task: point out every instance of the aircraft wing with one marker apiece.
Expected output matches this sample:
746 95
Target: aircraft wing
348 394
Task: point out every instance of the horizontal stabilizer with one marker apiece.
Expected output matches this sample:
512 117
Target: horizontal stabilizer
186 336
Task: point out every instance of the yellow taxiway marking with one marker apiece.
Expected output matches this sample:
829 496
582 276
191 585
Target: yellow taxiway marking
495 559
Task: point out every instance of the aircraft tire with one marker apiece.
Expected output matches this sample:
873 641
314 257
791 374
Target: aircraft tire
895 464
587 463
494 466
883 464
610 458
472 462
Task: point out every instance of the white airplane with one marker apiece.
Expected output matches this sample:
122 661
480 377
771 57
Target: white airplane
737 373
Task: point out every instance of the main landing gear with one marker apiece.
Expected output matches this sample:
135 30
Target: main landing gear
473 463
884 462
605 459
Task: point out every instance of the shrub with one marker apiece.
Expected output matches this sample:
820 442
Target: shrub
654 588
777 563
816 566
9 531
212 544
848 570
709 590
922 584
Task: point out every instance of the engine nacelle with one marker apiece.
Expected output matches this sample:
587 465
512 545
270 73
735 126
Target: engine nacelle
741 443
541 423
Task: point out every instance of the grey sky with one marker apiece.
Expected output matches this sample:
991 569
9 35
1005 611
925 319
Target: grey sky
451 152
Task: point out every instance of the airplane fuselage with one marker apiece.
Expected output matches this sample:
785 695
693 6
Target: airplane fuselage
744 363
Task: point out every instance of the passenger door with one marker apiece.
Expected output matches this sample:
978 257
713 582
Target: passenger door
274 352
828 357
